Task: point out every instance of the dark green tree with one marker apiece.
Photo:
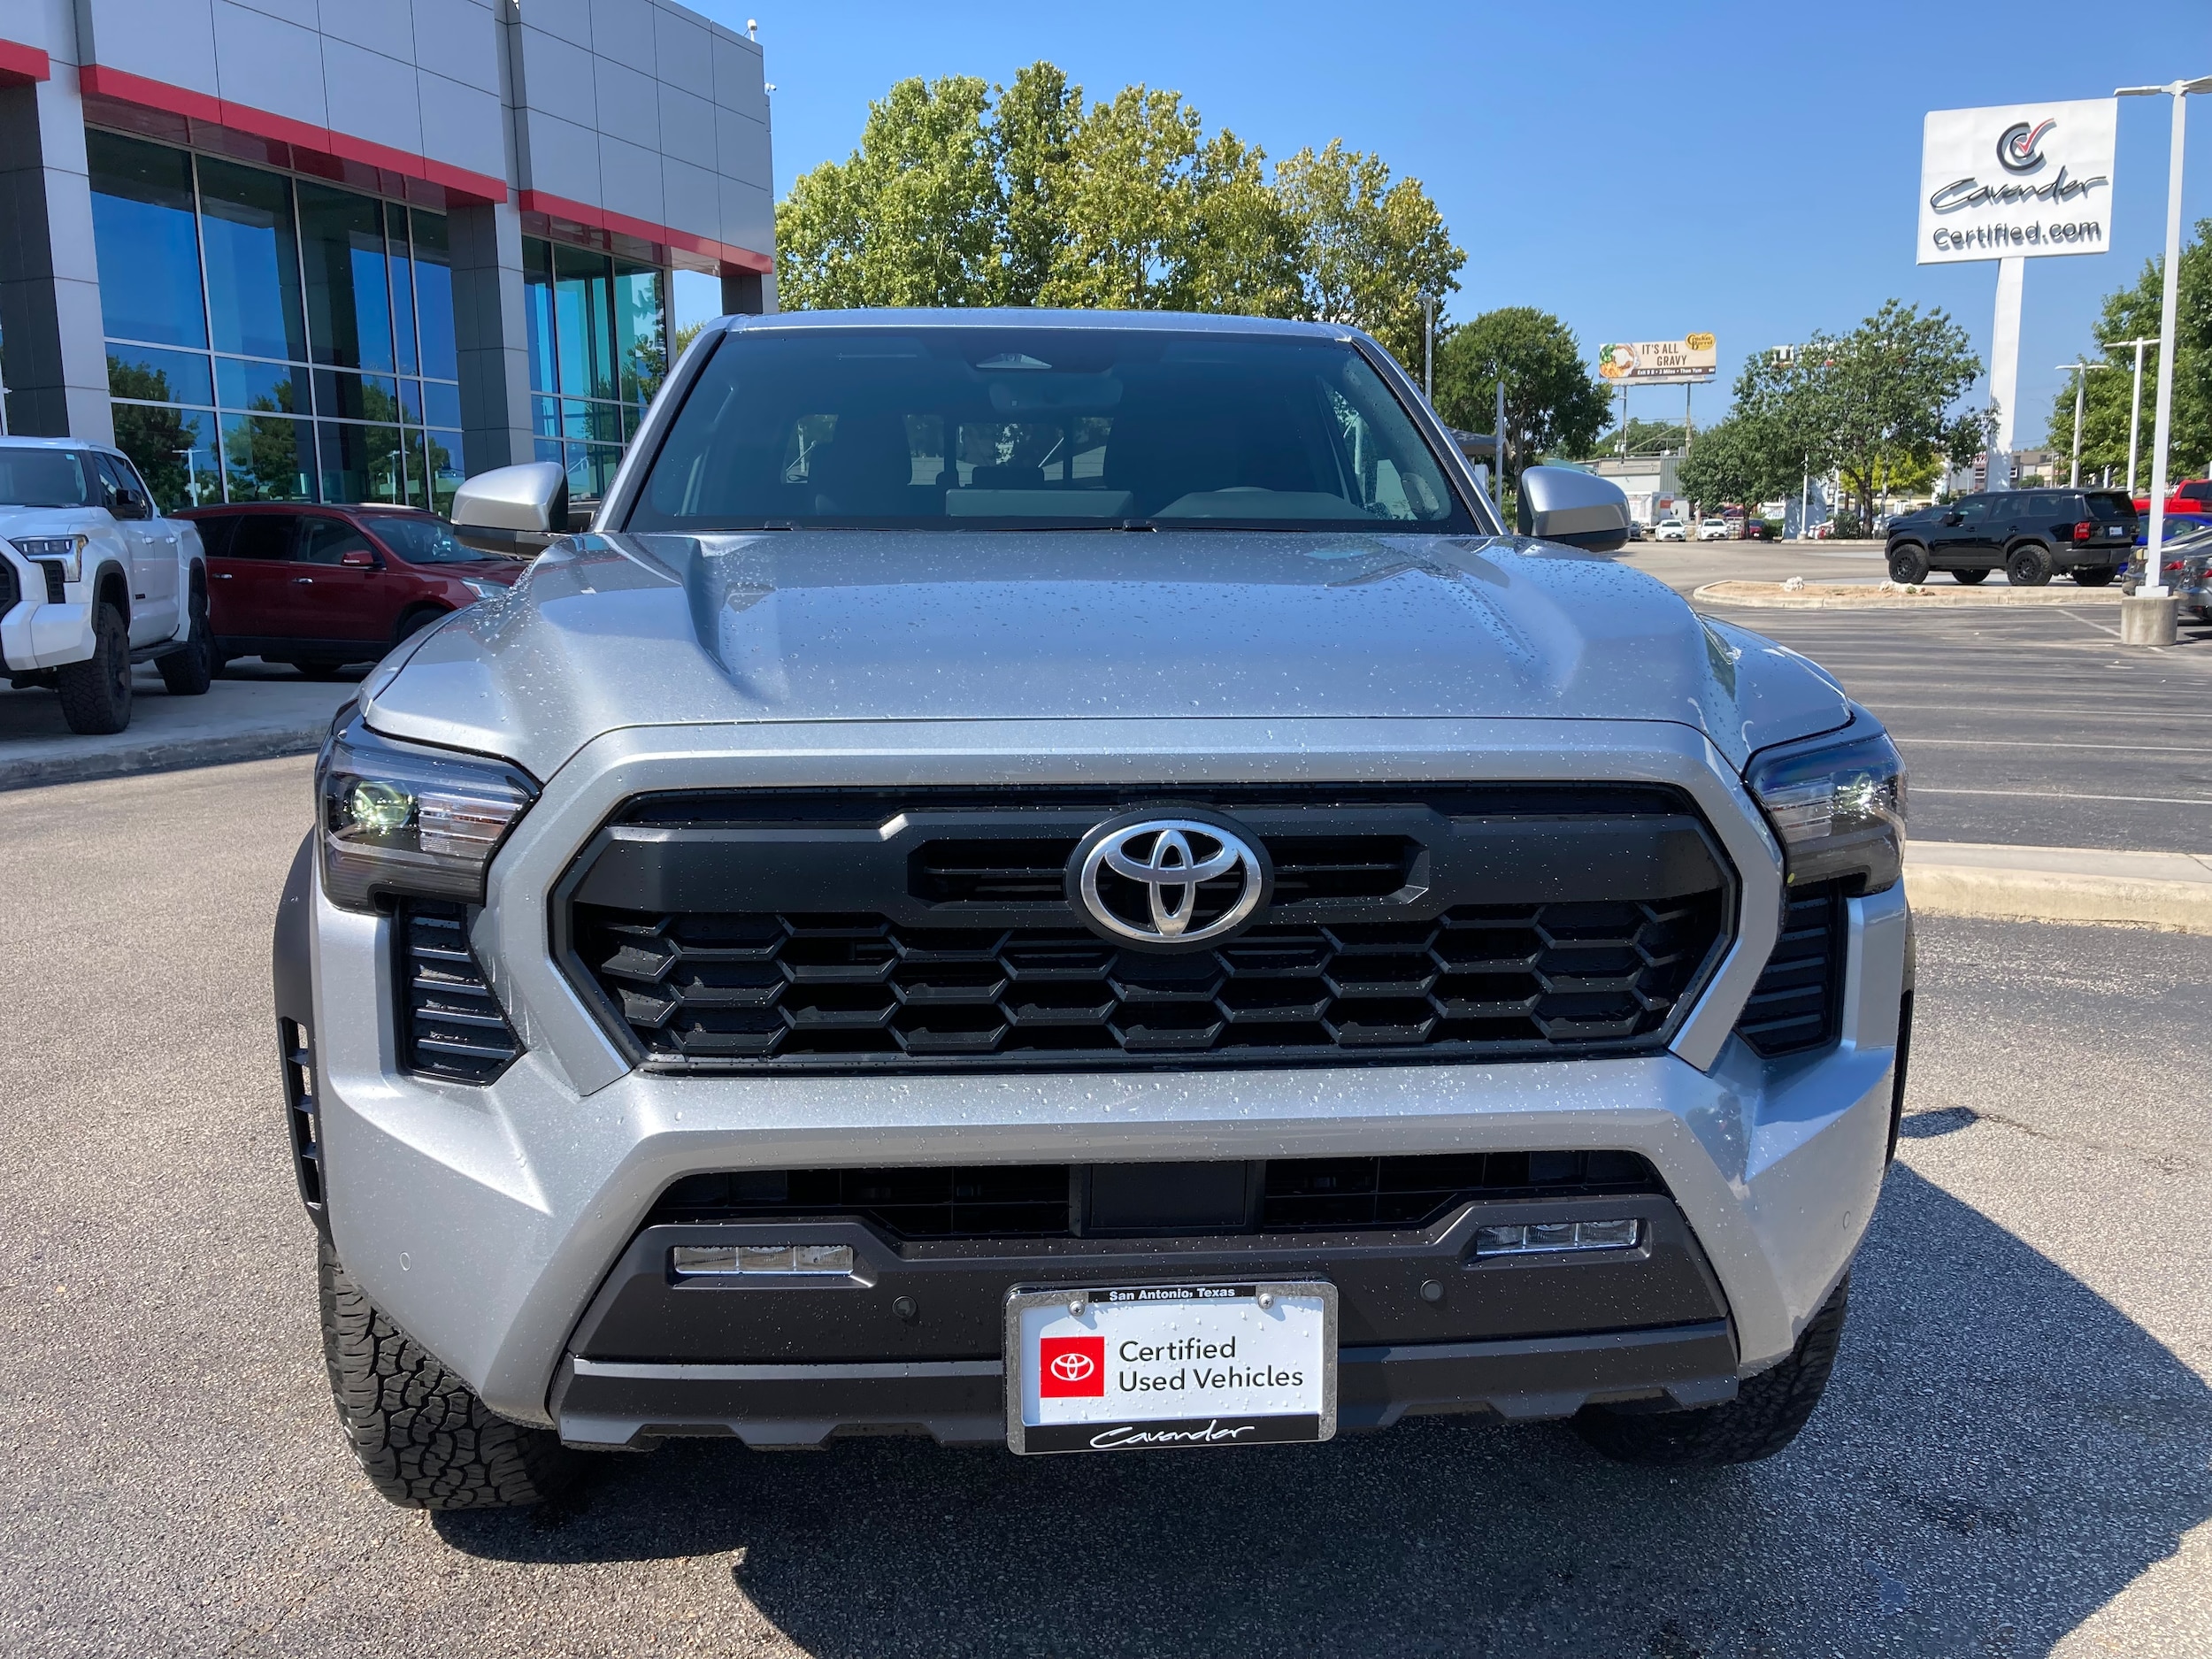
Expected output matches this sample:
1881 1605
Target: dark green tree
1740 461
964 193
2132 313
1553 402
1881 400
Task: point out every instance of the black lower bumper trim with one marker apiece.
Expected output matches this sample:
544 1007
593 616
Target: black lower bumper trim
610 1404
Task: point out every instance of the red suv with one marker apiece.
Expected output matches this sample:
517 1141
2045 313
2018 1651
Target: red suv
323 586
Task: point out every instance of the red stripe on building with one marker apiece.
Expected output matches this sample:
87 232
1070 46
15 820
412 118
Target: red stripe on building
457 182
21 65
623 224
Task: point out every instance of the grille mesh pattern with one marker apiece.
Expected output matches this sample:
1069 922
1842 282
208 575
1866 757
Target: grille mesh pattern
11 588
1797 1003
860 991
453 1026
57 590
1039 1200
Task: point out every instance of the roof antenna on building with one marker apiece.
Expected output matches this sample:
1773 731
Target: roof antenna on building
752 28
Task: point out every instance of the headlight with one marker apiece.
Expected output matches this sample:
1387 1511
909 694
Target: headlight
399 817
67 550
481 590
1837 804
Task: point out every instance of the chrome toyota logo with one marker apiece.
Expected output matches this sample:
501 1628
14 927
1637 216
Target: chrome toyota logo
1167 882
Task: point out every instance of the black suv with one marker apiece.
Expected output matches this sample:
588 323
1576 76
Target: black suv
2029 534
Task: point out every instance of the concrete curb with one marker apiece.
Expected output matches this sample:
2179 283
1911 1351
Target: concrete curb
2169 891
1888 596
161 755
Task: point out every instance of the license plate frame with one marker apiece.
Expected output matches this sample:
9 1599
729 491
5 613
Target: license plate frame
1029 1312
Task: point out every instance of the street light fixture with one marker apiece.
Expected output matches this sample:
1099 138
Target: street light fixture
2135 399
2154 563
2081 372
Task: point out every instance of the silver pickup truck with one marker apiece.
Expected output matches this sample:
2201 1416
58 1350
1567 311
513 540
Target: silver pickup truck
1058 879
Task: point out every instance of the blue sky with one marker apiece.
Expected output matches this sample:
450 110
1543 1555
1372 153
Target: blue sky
1747 167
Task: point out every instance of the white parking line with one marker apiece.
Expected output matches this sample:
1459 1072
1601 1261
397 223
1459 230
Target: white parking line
2064 794
1999 742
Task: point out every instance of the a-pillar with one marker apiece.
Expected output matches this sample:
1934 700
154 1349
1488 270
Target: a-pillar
492 335
54 363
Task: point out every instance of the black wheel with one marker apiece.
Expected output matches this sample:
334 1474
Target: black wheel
95 693
2094 575
1970 577
1908 563
321 668
189 673
2028 565
424 1438
1763 1418
414 622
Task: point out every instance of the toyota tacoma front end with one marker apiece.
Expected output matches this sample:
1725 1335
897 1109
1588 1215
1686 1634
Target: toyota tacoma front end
1057 881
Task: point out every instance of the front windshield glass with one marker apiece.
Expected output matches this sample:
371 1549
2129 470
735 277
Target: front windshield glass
1003 428
46 478
421 540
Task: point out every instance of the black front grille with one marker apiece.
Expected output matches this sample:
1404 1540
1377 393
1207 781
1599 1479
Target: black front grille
450 1023
1479 981
56 588
1045 1201
1797 1003
11 588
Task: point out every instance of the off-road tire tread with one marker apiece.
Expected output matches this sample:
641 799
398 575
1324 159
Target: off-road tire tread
423 1437
1906 559
87 705
1765 1415
189 672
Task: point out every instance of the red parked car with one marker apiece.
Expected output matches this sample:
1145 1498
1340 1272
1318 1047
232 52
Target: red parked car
323 586
2191 495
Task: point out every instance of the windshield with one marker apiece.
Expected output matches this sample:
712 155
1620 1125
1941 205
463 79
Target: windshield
46 478
421 540
1003 428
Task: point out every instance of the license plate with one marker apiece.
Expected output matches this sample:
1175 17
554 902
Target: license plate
1147 1367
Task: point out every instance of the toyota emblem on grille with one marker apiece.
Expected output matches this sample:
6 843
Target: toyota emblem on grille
1073 1367
1167 882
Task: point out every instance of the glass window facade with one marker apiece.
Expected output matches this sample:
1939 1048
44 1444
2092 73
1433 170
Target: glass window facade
272 338
598 352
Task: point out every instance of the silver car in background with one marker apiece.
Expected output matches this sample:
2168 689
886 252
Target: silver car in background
1056 879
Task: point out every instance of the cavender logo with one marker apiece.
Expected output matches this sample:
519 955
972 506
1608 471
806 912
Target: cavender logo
2020 146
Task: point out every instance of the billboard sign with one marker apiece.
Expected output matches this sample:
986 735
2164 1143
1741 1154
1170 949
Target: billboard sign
1691 360
2016 179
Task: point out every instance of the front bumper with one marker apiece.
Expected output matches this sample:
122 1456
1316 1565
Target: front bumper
488 1221
38 634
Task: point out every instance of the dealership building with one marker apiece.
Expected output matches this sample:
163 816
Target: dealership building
358 249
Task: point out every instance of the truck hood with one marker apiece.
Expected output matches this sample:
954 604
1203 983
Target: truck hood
613 631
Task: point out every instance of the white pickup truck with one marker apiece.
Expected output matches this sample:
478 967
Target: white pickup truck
93 581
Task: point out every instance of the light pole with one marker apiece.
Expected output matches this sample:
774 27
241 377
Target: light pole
2154 562
2135 400
1428 347
2080 371
1497 453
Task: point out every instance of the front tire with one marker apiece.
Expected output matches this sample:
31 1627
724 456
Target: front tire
1765 1415
95 693
423 1437
2028 565
2094 576
1909 564
189 672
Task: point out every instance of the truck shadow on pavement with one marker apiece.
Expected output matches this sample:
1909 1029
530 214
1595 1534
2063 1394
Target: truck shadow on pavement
2001 1452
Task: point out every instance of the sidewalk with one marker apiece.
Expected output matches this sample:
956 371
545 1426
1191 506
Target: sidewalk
2170 891
254 711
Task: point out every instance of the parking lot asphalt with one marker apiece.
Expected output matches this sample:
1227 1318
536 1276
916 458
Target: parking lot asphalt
2016 1457
2033 728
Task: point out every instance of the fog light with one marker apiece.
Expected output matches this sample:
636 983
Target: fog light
693 1260
1548 1237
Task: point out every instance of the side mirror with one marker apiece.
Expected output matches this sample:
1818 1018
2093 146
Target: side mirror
1560 504
1952 518
130 505
358 558
531 498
